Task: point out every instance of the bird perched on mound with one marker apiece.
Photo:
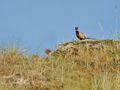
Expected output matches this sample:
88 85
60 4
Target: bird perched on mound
80 35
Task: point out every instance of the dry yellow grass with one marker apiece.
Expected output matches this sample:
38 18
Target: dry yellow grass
85 65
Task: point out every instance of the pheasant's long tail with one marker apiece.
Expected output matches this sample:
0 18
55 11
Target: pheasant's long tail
90 38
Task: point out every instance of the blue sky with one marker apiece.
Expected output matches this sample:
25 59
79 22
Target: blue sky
40 24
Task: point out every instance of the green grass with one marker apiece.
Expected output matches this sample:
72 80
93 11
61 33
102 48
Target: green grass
75 65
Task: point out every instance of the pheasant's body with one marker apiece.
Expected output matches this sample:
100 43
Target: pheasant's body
80 35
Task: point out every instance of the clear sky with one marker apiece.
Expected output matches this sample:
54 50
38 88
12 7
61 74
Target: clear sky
40 24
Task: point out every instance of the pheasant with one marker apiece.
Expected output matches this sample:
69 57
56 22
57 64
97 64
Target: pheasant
81 35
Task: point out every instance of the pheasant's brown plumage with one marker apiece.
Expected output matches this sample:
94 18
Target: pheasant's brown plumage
81 35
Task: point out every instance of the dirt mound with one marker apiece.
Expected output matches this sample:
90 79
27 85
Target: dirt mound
76 47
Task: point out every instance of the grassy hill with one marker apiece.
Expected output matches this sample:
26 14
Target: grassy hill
74 65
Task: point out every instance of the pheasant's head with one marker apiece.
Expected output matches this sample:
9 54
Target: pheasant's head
76 30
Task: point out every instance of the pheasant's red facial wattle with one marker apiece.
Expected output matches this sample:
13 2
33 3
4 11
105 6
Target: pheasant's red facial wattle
77 32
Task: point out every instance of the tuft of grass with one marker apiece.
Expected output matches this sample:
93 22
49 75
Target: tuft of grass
75 65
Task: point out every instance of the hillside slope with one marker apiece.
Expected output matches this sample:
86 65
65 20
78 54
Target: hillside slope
96 52
74 65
